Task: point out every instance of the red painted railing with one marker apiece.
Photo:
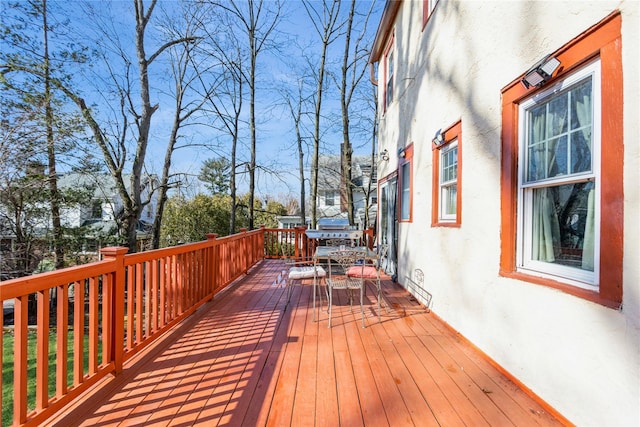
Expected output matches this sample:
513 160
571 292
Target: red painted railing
98 315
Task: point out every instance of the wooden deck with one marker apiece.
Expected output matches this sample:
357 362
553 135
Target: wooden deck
248 359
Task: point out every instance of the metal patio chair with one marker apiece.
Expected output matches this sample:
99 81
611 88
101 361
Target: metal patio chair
370 272
300 271
339 264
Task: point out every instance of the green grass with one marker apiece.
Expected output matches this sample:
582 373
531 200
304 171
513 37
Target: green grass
7 369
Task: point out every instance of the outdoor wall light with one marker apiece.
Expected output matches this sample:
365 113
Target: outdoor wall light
540 72
401 152
438 139
384 155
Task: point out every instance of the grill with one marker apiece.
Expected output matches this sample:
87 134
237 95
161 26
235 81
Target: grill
333 228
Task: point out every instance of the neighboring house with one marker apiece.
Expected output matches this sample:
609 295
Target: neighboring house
290 221
104 206
332 201
520 204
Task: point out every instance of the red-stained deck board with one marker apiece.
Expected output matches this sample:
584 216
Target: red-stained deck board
250 359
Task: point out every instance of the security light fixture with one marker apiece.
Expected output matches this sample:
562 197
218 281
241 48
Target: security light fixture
401 152
540 72
384 155
438 139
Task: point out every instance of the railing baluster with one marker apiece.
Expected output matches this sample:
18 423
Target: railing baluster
93 325
107 312
20 358
148 296
139 310
154 294
130 306
163 290
1 361
42 350
62 335
78 331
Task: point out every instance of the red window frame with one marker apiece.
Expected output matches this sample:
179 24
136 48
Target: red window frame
452 133
428 6
603 40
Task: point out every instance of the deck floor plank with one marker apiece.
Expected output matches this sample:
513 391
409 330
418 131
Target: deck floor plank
249 358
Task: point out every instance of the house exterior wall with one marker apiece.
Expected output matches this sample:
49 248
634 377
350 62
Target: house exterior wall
329 182
580 356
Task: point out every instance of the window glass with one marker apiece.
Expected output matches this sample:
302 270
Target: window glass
406 191
559 137
559 186
449 181
96 209
329 198
389 87
384 214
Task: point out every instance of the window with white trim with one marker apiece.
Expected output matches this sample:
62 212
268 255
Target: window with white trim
449 182
558 180
389 75
329 198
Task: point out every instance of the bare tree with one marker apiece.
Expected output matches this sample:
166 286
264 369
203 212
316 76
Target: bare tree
225 103
325 23
295 103
373 101
354 65
188 102
257 21
115 149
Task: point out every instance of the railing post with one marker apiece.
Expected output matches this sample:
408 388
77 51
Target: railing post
368 234
243 250
261 243
213 263
117 253
297 241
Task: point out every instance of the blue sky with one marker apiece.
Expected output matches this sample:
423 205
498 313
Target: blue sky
276 140
276 144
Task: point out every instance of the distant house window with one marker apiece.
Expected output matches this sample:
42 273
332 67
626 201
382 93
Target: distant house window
96 209
406 172
561 194
330 198
388 88
447 196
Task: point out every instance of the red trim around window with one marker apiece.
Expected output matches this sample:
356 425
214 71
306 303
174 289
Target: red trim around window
602 40
454 132
426 13
407 159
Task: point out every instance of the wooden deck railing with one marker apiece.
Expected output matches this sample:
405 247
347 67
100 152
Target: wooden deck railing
72 327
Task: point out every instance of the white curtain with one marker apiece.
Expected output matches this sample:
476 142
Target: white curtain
588 246
546 228
583 111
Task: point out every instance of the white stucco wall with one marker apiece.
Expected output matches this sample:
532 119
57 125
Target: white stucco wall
580 357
